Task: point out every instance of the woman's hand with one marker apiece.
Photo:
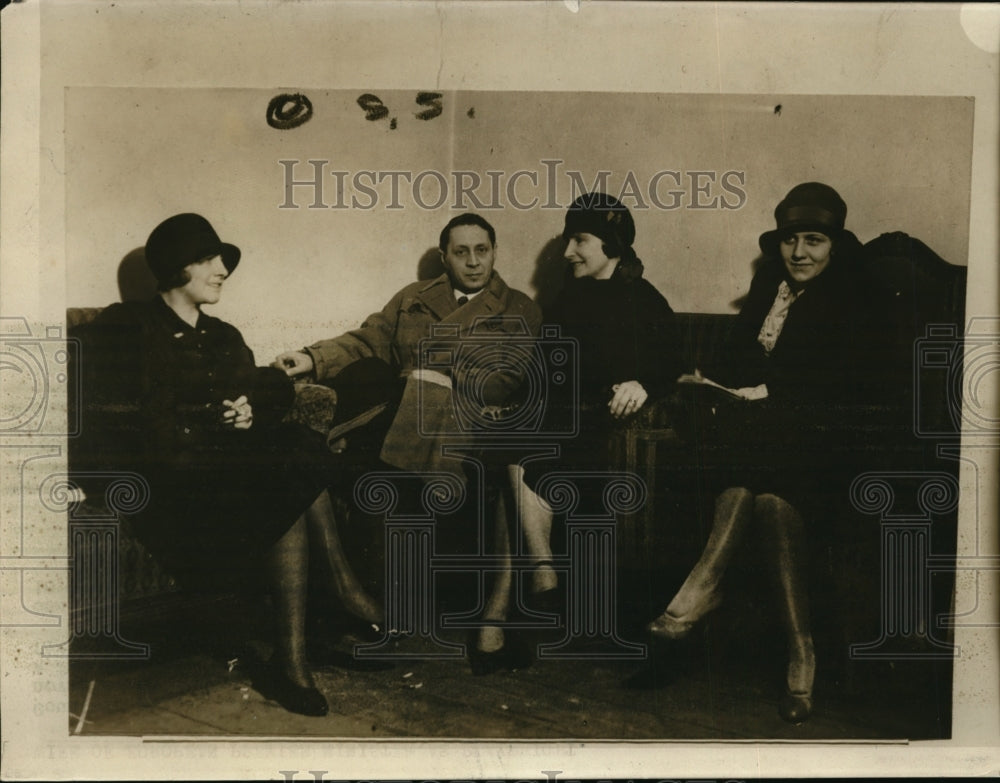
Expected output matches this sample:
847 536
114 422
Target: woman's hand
628 398
239 413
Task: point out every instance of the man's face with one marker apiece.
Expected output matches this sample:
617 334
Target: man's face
469 258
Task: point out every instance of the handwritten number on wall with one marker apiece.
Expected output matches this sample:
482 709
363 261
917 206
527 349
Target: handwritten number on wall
287 111
376 110
373 106
431 99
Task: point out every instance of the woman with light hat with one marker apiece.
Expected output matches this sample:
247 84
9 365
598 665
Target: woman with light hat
808 340
237 496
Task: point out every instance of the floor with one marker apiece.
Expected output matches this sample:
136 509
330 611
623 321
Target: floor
723 684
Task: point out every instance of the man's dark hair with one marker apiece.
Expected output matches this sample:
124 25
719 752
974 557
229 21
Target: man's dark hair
466 219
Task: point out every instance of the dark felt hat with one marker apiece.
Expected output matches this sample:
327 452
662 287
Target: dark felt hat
186 239
811 206
603 216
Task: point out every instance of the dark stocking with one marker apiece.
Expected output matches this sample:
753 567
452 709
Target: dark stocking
784 537
491 637
323 535
700 591
288 567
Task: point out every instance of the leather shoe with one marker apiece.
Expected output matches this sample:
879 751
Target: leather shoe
796 705
795 708
670 627
512 656
348 628
274 684
364 633
326 652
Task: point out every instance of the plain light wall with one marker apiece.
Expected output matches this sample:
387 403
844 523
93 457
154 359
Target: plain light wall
136 156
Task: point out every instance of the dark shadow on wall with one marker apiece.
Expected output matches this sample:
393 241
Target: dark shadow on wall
755 266
135 280
550 272
430 265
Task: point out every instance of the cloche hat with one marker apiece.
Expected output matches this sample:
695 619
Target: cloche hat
811 206
603 216
185 239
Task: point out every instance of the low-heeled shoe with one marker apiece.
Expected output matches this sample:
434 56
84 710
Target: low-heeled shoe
795 707
275 685
670 627
512 656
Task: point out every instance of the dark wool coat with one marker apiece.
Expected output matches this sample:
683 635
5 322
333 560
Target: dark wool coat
152 388
826 377
624 331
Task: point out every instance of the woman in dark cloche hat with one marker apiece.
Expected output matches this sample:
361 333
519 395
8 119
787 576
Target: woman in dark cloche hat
627 358
805 353
237 495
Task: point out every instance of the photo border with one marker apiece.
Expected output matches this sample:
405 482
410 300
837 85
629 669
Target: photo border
884 48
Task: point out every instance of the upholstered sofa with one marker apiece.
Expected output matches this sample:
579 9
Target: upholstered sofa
930 295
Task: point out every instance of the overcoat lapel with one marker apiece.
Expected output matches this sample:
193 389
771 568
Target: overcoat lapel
440 300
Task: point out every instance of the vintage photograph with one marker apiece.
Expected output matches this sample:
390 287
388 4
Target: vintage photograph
527 422
405 410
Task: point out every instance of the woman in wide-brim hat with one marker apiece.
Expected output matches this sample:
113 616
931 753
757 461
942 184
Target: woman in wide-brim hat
237 496
809 333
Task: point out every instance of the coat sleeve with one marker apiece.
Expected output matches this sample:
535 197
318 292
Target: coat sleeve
374 338
271 393
658 362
